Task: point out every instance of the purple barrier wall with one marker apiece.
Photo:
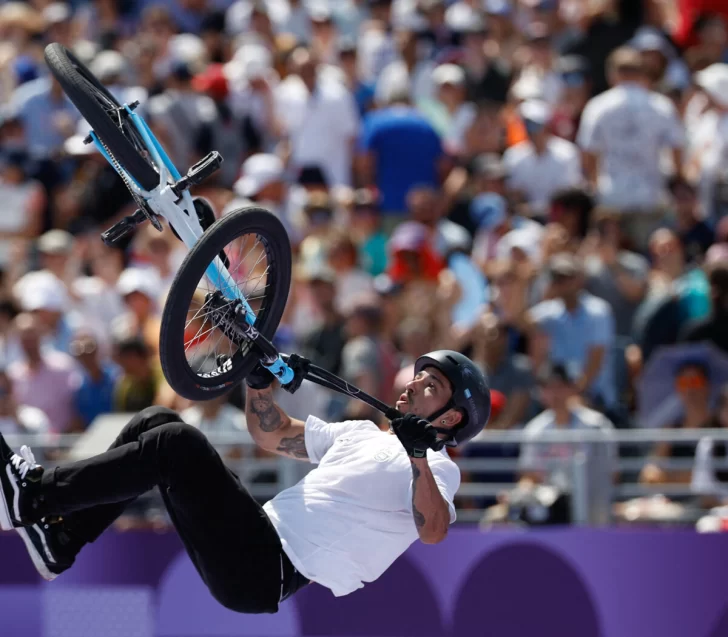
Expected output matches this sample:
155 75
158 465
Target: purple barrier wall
565 583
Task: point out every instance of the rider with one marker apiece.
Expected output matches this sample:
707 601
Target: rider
343 524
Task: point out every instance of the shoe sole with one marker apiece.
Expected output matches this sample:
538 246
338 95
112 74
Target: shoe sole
6 520
35 556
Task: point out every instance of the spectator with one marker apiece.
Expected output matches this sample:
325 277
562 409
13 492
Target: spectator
618 276
576 330
692 384
361 91
367 361
572 209
695 235
47 114
398 149
576 80
456 114
10 350
543 164
318 119
140 289
181 108
551 463
706 480
713 327
46 380
140 380
539 68
323 344
623 133
366 225
426 207
262 183
487 76
17 418
710 143
351 280
94 395
24 200
508 372
216 416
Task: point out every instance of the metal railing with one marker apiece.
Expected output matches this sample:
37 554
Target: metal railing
251 463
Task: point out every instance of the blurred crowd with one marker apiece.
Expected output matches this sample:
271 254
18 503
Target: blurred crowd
540 184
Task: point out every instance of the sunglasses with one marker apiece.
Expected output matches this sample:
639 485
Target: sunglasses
79 348
686 382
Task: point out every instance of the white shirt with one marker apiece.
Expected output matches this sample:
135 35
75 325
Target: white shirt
710 149
629 127
321 126
396 75
540 176
350 518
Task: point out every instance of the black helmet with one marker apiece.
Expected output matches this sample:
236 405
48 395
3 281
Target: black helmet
470 393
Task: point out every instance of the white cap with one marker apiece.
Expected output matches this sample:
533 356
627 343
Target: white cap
714 80
448 74
188 48
41 290
528 87
249 62
536 111
75 145
144 280
108 64
57 12
258 172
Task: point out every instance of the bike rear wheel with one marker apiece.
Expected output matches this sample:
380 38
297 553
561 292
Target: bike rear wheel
198 360
101 110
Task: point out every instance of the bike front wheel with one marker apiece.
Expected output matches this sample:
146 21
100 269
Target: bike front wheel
198 359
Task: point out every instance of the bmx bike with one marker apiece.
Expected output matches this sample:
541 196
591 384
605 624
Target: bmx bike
208 300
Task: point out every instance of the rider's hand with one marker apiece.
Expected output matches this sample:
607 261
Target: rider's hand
416 434
300 366
259 378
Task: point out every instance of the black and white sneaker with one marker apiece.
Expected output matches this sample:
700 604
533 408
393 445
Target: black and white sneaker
20 478
50 547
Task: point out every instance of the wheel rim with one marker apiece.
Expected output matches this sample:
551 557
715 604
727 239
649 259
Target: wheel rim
252 269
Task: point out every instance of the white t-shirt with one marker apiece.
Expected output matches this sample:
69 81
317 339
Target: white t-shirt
321 126
629 128
350 518
540 176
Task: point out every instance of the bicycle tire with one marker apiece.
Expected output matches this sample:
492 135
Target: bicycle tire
175 366
78 84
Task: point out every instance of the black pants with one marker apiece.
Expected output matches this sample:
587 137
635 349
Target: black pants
227 534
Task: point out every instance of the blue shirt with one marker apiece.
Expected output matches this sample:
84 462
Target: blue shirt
38 111
407 151
93 399
573 334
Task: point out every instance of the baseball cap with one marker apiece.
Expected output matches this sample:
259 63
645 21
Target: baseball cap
649 40
409 236
488 210
714 81
448 74
497 7
212 81
55 242
143 280
41 290
564 265
108 64
535 112
258 172
56 13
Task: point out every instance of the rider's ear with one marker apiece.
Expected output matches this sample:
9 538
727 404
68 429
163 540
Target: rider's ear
450 418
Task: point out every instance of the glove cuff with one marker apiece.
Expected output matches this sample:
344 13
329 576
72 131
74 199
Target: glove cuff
258 383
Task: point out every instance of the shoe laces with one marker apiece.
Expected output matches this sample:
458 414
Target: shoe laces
24 461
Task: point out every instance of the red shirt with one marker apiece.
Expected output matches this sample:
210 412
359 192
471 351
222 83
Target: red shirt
690 11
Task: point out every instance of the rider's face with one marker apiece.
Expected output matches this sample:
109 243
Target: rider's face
426 393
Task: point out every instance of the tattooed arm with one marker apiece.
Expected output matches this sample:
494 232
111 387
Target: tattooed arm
429 508
271 428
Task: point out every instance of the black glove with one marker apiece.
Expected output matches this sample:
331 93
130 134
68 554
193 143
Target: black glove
416 434
300 366
259 378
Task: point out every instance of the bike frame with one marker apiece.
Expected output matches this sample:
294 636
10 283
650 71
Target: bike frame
181 216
